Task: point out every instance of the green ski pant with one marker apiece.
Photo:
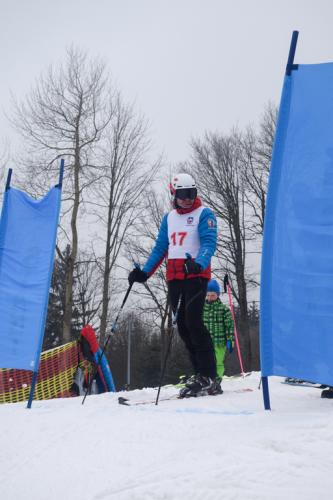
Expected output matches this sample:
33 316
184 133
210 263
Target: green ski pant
220 351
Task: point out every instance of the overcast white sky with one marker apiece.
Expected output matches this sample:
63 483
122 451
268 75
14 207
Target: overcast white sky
190 65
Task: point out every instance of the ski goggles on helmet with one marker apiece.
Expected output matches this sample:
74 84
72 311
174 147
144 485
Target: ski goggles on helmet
186 193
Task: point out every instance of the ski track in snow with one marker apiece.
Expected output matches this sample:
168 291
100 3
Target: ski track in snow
225 447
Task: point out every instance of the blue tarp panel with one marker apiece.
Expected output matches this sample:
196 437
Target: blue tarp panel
27 241
297 262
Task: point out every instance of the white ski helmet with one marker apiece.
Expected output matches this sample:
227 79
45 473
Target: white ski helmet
182 181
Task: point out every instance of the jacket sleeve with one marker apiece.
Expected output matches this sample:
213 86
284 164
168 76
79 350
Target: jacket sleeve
208 237
160 249
228 324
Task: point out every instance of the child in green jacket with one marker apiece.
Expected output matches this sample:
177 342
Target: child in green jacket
218 321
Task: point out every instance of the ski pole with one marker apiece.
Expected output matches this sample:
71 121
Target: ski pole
173 324
227 288
106 343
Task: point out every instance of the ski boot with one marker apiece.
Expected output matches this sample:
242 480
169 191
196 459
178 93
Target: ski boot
215 387
197 385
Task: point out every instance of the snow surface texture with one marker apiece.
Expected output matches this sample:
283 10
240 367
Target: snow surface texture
210 448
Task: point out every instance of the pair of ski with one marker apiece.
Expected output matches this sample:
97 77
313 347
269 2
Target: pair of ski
127 402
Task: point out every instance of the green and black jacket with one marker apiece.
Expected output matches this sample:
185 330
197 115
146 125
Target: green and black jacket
218 321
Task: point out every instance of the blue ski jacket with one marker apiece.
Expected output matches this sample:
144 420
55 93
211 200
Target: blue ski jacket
207 232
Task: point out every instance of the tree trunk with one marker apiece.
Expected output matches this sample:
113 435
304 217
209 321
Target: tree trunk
106 281
67 328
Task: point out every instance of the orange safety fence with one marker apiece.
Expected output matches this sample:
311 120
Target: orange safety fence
55 376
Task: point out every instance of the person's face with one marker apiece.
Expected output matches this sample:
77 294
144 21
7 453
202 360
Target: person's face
185 197
187 203
211 296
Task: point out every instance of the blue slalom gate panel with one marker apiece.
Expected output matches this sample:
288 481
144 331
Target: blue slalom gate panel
28 230
296 337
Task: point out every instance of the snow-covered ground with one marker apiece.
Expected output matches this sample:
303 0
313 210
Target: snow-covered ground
223 447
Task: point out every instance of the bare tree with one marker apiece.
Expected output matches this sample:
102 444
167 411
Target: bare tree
257 149
4 160
218 165
65 116
119 191
266 135
154 294
87 297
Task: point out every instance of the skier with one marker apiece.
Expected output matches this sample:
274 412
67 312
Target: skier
187 238
218 320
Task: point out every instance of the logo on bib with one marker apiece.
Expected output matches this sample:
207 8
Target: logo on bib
189 220
211 223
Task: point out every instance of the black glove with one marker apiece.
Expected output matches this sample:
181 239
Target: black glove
137 275
225 283
192 267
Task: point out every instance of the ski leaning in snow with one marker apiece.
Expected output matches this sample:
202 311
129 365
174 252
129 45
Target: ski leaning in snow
128 402
303 383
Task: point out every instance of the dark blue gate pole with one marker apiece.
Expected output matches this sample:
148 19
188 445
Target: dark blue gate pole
9 176
32 388
292 50
35 373
265 393
61 173
290 66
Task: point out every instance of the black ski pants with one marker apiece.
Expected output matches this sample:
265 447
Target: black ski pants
192 295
